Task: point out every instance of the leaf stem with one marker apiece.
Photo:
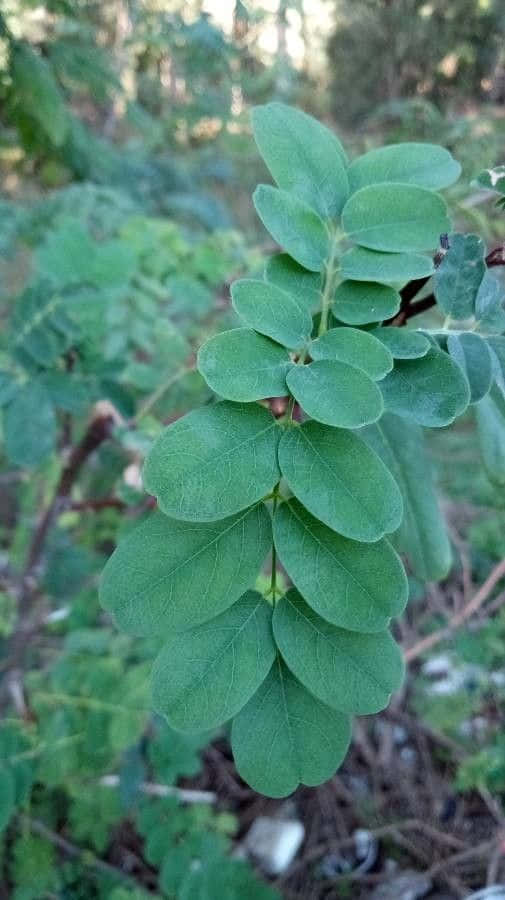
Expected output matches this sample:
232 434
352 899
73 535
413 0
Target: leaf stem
273 576
329 284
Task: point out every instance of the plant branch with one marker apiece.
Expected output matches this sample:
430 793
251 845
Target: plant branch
97 432
460 617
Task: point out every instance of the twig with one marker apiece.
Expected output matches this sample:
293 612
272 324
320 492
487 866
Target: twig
164 790
460 617
98 431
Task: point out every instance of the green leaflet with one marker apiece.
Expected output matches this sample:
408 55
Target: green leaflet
395 218
360 264
430 391
490 413
288 275
273 312
168 575
492 179
284 737
459 275
362 302
294 225
473 357
29 424
422 534
303 156
353 585
213 462
340 480
489 310
335 393
9 385
351 672
243 365
355 347
205 675
402 343
426 165
496 344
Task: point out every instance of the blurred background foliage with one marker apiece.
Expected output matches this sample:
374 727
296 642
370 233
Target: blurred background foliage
126 167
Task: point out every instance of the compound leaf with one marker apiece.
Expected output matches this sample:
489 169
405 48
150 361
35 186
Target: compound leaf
353 585
284 737
303 156
243 365
170 575
272 311
214 462
294 225
340 480
205 675
351 672
335 393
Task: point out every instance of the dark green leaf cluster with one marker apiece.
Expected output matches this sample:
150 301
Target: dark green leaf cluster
324 496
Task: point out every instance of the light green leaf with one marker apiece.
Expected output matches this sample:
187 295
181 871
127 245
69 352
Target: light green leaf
361 302
294 225
395 218
243 365
29 425
38 94
340 480
422 535
214 462
303 156
336 394
288 275
496 344
489 310
426 165
272 311
356 586
430 391
357 348
492 179
351 672
284 737
459 275
490 414
472 355
360 264
402 343
205 675
168 575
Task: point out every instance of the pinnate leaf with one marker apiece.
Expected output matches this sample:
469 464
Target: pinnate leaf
284 737
353 585
340 481
214 462
206 674
243 365
351 672
459 275
335 393
169 575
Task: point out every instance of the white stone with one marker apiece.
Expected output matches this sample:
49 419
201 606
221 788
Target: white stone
274 843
